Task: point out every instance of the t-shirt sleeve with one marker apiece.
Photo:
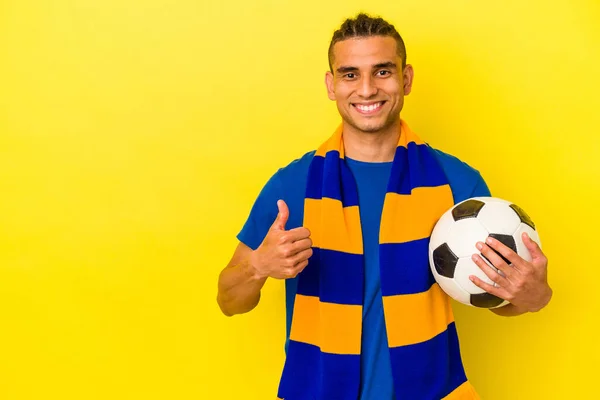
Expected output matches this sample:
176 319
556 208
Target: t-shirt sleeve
263 213
480 189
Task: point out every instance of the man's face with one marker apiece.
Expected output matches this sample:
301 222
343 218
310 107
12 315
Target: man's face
368 83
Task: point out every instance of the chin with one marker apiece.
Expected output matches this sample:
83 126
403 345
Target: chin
371 127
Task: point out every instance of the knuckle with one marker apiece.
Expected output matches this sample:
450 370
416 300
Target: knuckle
287 251
519 285
283 238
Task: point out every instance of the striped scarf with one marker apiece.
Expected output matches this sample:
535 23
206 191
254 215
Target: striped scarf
323 357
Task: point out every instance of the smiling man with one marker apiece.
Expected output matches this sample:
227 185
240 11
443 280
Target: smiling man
347 227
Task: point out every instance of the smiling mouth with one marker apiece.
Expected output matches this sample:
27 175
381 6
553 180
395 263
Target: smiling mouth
368 109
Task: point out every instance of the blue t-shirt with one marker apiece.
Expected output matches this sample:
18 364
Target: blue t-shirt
289 184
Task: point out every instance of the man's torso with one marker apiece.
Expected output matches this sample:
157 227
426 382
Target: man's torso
289 184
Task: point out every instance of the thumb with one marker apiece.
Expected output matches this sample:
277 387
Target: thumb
282 216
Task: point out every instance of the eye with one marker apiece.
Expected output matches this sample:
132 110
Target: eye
383 72
350 75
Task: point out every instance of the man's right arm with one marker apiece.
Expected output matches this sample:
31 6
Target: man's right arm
282 254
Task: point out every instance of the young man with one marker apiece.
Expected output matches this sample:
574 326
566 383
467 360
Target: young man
347 227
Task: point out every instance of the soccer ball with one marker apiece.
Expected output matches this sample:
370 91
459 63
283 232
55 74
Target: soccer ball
453 241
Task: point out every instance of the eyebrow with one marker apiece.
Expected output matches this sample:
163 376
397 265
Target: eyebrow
346 69
388 64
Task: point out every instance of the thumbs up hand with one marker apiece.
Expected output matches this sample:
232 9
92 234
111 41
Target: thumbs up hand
283 253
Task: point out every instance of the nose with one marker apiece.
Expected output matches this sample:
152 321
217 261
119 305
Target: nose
366 87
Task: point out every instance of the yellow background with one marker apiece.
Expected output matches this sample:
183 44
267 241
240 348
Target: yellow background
135 135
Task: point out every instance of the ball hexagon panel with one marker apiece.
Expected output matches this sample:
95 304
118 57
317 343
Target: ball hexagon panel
451 288
464 235
440 231
495 219
466 267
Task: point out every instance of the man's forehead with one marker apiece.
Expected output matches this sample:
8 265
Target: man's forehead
365 52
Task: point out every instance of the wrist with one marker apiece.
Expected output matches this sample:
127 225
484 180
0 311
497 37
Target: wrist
545 299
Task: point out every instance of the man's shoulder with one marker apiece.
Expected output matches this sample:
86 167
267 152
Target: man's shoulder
455 168
464 179
297 168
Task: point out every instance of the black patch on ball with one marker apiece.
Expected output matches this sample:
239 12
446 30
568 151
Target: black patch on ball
468 209
444 261
523 215
485 300
507 240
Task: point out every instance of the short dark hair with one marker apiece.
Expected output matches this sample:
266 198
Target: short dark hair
364 25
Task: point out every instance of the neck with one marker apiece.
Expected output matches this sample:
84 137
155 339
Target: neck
371 146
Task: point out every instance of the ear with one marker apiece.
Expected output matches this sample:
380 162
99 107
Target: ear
329 85
407 77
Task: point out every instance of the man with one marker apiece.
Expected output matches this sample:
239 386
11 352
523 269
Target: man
347 226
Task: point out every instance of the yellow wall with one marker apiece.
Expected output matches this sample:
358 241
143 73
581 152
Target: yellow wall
135 135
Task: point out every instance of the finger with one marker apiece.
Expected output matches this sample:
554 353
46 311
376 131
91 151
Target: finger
299 233
496 291
495 259
490 272
504 251
301 256
282 216
301 245
292 272
300 266
533 247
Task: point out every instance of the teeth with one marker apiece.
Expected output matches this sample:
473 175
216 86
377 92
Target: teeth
370 108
